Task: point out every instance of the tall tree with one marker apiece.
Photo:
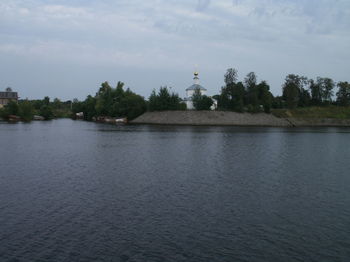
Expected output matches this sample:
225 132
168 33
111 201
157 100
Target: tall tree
89 106
343 94
264 95
291 89
304 97
250 83
112 102
164 100
327 85
232 94
12 108
131 105
26 110
46 112
104 99
46 100
316 92
231 76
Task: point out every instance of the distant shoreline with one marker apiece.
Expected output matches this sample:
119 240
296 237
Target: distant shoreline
225 118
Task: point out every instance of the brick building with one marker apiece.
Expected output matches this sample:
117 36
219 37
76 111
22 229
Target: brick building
7 96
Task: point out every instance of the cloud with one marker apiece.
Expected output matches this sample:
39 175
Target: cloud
202 5
176 34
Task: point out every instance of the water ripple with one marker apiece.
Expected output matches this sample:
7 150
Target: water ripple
77 191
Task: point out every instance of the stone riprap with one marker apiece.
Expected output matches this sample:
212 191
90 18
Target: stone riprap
213 118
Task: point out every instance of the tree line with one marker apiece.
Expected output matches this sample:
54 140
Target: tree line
112 102
252 96
247 95
299 91
27 109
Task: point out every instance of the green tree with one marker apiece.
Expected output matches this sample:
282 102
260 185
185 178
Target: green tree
46 101
56 104
250 82
316 92
237 96
77 106
292 88
38 104
231 76
26 110
2 113
11 108
201 102
343 94
264 95
232 94
89 108
112 102
278 102
104 100
326 85
304 97
131 105
46 112
164 100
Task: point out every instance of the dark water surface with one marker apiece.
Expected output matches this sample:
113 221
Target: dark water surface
78 191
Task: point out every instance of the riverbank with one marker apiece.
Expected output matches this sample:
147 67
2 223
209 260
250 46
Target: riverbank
209 118
315 112
223 118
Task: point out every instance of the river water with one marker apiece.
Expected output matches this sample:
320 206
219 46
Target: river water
79 191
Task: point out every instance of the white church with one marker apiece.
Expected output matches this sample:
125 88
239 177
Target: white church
190 92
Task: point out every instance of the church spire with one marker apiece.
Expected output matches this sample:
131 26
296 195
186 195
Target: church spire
196 78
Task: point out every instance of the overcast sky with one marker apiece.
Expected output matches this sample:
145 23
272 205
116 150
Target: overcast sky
67 48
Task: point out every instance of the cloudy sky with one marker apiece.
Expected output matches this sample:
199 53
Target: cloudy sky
66 48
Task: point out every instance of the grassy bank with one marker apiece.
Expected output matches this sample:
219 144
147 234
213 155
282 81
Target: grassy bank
333 112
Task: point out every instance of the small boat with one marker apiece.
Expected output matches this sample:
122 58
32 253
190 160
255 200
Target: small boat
122 120
13 118
38 118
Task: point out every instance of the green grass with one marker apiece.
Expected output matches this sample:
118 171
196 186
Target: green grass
336 112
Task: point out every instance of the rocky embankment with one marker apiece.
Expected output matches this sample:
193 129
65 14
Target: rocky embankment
213 118
222 118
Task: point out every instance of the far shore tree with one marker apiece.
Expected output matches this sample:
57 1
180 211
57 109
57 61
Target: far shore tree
201 102
264 96
232 94
11 108
117 102
292 88
26 110
248 96
343 94
316 93
251 97
326 85
111 102
164 100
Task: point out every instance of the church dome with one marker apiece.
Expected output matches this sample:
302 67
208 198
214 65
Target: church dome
196 86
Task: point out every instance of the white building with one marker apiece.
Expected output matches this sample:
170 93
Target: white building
190 91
